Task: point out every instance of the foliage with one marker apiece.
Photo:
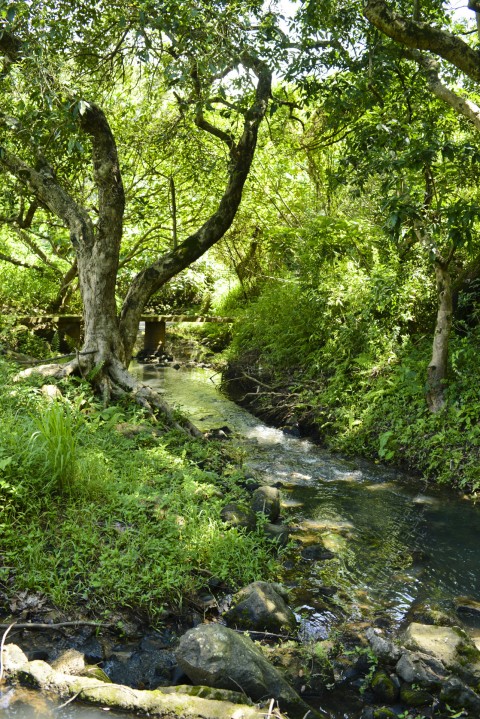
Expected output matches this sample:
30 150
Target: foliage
117 518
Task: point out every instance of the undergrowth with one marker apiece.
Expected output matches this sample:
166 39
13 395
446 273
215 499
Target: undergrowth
345 352
101 509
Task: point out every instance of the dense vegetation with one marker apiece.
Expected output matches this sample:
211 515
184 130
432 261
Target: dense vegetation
336 215
101 511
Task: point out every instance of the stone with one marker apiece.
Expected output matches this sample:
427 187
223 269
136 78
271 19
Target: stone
215 656
383 648
70 661
237 516
449 645
316 553
384 688
421 669
266 500
261 607
415 697
384 713
51 391
456 694
279 533
467 605
13 658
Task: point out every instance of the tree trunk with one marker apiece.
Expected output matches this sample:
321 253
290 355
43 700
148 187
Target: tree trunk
437 369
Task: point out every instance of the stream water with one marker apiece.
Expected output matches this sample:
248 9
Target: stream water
396 546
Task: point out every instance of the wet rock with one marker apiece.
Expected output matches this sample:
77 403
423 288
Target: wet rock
316 553
384 687
456 694
383 648
278 532
449 645
384 713
467 605
13 658
266 500
260 607
216 656
237 516
421 669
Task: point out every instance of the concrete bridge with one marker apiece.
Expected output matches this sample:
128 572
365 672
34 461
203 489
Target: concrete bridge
155 326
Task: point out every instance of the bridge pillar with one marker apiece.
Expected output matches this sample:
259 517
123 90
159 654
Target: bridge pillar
154 335
71 326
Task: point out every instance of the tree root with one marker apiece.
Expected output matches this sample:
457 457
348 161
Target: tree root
113 380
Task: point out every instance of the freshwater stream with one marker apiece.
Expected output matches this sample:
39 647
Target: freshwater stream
400 544
396 545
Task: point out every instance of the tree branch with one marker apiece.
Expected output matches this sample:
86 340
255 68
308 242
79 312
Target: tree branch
422 36
152 278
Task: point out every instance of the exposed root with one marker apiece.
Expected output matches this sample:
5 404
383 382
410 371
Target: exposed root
113 380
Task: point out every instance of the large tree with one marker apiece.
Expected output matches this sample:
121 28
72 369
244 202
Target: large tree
203 53
450 64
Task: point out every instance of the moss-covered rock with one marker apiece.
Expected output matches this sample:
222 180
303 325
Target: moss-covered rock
414 696
384 687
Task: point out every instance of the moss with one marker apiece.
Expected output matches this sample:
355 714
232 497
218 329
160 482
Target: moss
415 697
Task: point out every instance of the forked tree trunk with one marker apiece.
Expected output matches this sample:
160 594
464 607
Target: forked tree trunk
109 339
437 369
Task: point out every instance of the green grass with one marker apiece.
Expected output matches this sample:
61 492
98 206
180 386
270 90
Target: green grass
108 520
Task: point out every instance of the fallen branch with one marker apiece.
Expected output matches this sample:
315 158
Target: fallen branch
58 625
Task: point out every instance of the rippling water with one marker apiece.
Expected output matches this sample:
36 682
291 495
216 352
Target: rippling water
400 544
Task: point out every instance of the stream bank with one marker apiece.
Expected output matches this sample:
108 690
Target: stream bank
370 548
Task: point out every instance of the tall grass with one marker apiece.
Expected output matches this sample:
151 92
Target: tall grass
52 448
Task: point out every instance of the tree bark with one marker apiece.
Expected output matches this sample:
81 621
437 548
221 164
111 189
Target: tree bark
437 369
422 36
152 278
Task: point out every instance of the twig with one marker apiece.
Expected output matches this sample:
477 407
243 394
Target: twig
1 648
270 708
59 357
59 625
72 699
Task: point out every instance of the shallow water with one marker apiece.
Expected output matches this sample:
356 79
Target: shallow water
400 544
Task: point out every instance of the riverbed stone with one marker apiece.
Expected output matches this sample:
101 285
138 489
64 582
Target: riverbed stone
235 515
216 656
459 696
468 606
266 500
382 647
279 533
421 669
449 645
415 696
386 690
260 607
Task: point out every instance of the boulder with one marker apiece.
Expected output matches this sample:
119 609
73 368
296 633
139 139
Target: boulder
261 607
414 696
218 657
449 645
266 500
468 606
421 669
385 688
